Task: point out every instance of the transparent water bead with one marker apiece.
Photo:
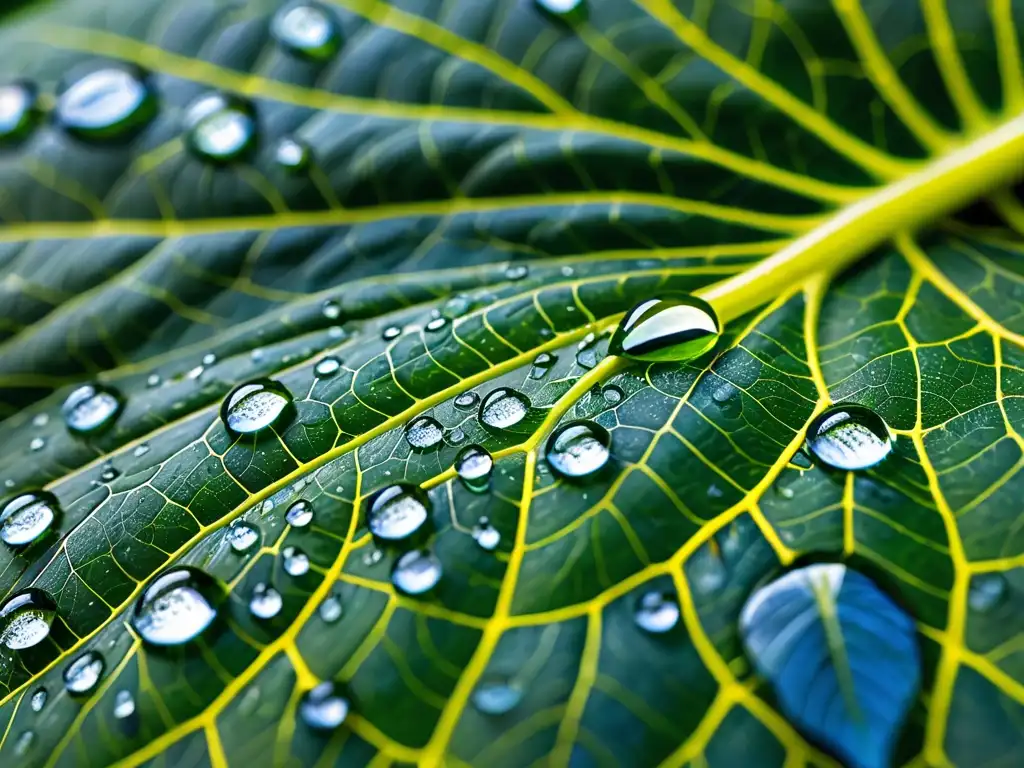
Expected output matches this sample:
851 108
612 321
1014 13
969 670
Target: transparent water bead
177 606
109 473
563 8
612 394
542 363
517 272
486 535
306 29
330 609
436 324
398 512
416 572
91 408
106 103
467 401
578 449
25 619
36 444
849 437
242 536
18 109
38 700
299 514
324 707
220 127
327 366
255 406
24 742
474 465
497 695
987 590
391 333
265 602
456 306
28 517
503 408
424 433
296 562
124 704
666 330
294 156
656 612
83 674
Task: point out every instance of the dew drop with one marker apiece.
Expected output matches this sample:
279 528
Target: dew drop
25 619
391 333
242 536
328 366
562 8
109 473
416 572
398 512
612 394
656 612
542 363
467 401
124 704
91 408
153 380
424 433
987 590
38 700
486 535
331 309
105 103
456 436
36 444
436 324
24 742
209 359
372 556
265 602
517 272
578 449
324 707
177 606
141 450
255 405
82 674
18 109
26 518
586 355
220 127
330 609
296 562
40 420
294 156
497 695
299 514
849 437
474 465
306 29
456 306
503 408
669 330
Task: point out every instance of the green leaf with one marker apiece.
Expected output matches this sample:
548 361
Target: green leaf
833 178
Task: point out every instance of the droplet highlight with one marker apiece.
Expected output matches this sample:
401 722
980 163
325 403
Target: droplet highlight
416 572
578 449
324 707
987 591
28 517
424 433
91 408
220 128
242 536
293 156
295 562
306 29
38 700
327 366
265 602
398 512
25 619
18 110
299 514
474 465
656 612
83 674
255 406
849 437
486 535
106 103
504 408
177 606
496 695
666 330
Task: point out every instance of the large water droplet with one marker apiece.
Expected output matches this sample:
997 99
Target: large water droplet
177 606
26 518
294 156
424 433
656 612
398 512
296 562
38 700
26 618
299 514
987 590
105 103
330 609
578 449
242 536
416 572
325 707
255 405
91 408
496 695
328 366
82 674
467 401
306 29
849 437
124 704
473 465
486 535
265 602
220 127
666 330
18 110
504 408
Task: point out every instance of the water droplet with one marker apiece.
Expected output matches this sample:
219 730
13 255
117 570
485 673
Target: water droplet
141 450
220 127
714 492
849 437
397 512
294 155
586 355
324 707
296 562
372 556
497 695
299 514
473 466
82 674
153 380
656 612
242 536
467 401
517 272
25 619
578 448
255 405
40 420
124 704
265 602
195 373
503 408
328 366
542 364
424 433
331 309
38 700
416 572
109 473
18 109
456 436
486 535
177 606
36 444
612 394
456 306
306 29
987 590
105 103
91 408
24 743
562 8
391 333
436 324
666 330
330 609
209 359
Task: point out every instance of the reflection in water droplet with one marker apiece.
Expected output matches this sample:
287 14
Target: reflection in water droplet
82 674
324 707
503 408
542 363
436 324
124 704
26 518
578 448
372 556
849 437
306 29
294 155
398 512
255 405
330 609
296 562
416 572
672 330
24 742
25 619
331 309
91 408
424 433
299 514
38 700
726 396
467 401
473 465
391 333
497 695
242 536
153 380
177 606
109 473
36 444
105 103
486 535
656 612
328 366
987 590
455 436
141 450
612 394
586 355
517 272
18 110
265 602
456 306
220 127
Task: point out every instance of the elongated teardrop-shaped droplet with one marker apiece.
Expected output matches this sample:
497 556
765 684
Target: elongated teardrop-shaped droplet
25 619
242 536
486 535
473 465
38 700
324 707
306 29
299 514
177 606
266 602
295 561
294 156
124 704
398 512
327 366
503 408
106 103
91 408
424 433
578 449
849 437
219 127
416 572
18 109
255 406
656 612
82 674
467 401
497 695
26 518
666 330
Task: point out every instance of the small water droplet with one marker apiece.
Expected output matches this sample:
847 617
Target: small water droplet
82 674
456 306
436 324
391 333
330 609
578 448
24 742
517 272
331 309
153 380
486 535
209 359
467 401
296 562
25 618
18 109
40 420
416 572
141 450
38 700
324 707
177 606
242 536
496 695
542 363
255 405
220 127
293 156
612 394
456 436
124 704
306 29
563 8
105 103
714 492
849 437
398 512
328 366
503 408
473 465
299 514
424 433
372 556
195 373
656 612
36 444
91 408
667 330
987 590
265 602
